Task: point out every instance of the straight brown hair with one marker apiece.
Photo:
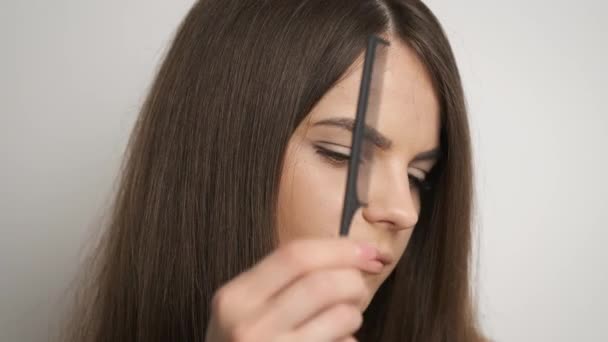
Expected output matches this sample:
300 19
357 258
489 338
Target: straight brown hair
198 189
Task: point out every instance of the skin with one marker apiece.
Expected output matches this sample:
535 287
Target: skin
315 285
409 117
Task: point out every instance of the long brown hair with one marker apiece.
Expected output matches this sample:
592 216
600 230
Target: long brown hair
198 189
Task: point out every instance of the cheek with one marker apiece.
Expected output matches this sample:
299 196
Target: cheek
310 197
403 241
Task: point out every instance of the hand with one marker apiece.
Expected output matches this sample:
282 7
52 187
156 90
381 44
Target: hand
307 290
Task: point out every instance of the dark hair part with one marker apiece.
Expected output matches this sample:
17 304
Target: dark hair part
198 189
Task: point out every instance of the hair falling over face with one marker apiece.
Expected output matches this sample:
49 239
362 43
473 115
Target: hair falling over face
248 72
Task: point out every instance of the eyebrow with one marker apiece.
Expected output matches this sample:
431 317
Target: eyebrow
433 154
377 138
369 133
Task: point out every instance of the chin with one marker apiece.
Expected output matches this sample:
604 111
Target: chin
373 282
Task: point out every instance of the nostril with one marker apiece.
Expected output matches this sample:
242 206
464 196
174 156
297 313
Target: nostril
394 217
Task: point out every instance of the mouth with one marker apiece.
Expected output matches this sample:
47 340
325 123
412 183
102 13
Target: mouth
385 258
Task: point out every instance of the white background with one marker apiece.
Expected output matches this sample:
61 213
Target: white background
74 73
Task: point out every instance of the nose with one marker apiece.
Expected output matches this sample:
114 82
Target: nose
392 202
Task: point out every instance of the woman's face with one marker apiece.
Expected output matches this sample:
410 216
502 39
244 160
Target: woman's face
312 185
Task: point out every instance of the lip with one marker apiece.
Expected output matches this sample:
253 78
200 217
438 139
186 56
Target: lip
385 258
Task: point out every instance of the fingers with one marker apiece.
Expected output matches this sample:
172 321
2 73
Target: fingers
284 266
348 339
338 323
311 295
300 257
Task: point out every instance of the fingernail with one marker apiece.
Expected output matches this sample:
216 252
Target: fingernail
367 251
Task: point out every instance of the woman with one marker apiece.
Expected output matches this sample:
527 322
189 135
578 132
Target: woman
226 221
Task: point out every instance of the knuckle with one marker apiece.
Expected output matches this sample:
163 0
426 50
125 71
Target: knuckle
239 333
319 285
348 315
355 282
349 339
361 286
293 255
345 284
220 302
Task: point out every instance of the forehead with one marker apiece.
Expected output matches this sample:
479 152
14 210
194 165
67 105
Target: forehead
408 109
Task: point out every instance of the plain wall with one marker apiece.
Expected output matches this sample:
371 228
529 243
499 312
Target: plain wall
73 75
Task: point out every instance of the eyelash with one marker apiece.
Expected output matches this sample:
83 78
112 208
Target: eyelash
339 159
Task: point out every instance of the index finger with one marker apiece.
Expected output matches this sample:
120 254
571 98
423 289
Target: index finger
288 263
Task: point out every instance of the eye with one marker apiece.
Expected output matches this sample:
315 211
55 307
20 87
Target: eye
420 183
333 157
